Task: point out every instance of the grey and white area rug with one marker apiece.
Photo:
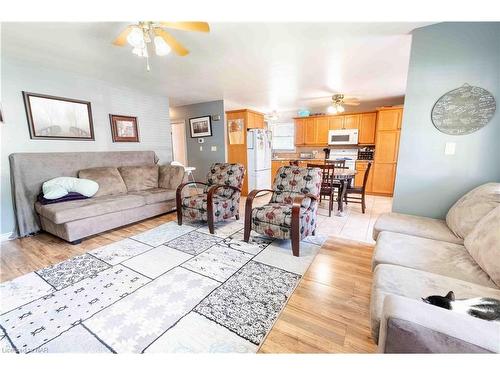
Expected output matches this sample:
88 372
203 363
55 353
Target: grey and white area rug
170 289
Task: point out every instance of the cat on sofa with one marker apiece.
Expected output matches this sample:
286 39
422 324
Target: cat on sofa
483 308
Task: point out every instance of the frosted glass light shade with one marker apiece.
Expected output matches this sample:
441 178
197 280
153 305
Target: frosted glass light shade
135 38
161 47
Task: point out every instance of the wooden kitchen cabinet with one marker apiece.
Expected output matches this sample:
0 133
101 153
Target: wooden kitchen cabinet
237 152
384 175
310 131
367 127
387 146
300 131
336 122
352 121
387 136
322 128
389 119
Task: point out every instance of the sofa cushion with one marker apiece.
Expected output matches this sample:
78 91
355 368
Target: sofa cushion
472 207
170 176
141 177
407 282
442 258
483 244
418 226
109 179
64 212
156 195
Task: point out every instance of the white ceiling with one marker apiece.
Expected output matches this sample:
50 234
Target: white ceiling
265 66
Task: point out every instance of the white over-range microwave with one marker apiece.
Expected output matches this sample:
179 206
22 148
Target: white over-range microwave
343 137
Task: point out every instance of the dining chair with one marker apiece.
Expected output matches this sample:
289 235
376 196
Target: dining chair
358 191
220 199
292 210
328 184
336 163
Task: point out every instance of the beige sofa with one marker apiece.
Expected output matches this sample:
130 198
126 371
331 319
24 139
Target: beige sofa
417 256
132 187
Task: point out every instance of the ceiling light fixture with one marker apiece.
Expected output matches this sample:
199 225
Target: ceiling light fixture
143 35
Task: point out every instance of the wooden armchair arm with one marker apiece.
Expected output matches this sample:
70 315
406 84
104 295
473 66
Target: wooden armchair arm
210 202
248 211
178 196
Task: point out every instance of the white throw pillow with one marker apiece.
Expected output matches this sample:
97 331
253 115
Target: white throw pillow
483 244
60 186
472 207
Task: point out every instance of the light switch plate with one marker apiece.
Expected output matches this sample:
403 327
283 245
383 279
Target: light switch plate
213 148
201 148
449 148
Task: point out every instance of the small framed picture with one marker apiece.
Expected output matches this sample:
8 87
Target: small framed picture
200 127
124 128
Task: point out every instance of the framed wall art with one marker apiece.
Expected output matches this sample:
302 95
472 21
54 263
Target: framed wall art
53 117
200 127
124 128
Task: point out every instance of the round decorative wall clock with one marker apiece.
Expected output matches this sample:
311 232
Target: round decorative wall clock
463 110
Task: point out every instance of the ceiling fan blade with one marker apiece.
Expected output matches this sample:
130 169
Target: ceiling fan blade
351 103
171 41
187 26
122 38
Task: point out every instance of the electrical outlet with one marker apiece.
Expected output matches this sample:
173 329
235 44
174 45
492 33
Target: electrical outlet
213 148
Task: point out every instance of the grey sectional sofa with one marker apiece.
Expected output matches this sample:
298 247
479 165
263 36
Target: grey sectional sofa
416 257
138 196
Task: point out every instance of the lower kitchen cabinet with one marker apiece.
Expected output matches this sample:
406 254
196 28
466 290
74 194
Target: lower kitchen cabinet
384 175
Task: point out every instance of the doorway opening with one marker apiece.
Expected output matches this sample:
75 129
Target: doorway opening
179 151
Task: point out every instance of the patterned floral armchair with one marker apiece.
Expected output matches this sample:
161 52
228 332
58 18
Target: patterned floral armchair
220 199
291 212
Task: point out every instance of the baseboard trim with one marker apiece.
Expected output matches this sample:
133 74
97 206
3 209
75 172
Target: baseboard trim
5 236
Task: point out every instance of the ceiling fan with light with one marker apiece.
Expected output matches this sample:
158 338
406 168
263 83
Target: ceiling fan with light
338 103
143 35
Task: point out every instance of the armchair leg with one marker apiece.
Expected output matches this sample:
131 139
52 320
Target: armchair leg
248 225
295 244
178 202
237 217
295 229
179 215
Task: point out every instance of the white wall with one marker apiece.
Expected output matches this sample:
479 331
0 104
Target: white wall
152 112
444 57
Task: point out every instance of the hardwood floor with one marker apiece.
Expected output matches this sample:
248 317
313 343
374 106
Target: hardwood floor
328 312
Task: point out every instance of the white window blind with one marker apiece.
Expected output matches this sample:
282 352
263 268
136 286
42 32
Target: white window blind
283 136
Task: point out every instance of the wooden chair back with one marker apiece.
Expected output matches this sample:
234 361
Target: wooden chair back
328 174
336 163
365 177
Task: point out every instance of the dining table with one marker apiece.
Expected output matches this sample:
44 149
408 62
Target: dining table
344 176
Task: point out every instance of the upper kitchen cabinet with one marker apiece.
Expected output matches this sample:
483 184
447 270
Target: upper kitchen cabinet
322 128
310 131
336 122
367 125
389 118
351 121
255 120
300 125
313 131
